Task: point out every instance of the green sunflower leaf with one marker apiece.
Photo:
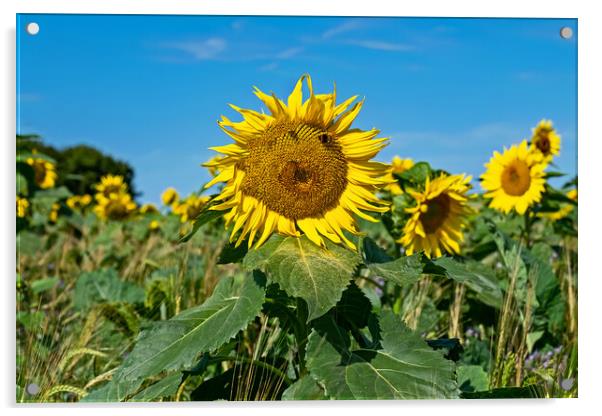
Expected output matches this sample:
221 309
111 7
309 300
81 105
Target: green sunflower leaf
303 269
167 386
404 368
405 270
306 388
476 276
176 343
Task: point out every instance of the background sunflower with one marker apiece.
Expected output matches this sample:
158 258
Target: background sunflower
514 179
545 140
438 217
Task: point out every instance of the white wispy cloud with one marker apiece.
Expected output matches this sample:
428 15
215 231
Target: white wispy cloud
382 46
347 26
204 49
289 53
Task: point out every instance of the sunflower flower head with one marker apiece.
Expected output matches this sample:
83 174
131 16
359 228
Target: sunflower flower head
438 217
110 184
117 206
190 208
22 207
170 196
545 140
154 225
79 202
213 164
515 179
54 212
299 169
148 209
44 172
398 166
564 210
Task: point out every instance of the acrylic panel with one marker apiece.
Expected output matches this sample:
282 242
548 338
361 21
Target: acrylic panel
295 208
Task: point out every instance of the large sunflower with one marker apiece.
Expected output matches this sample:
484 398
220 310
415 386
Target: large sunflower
44 172
438 217
545 140
514 179
301 168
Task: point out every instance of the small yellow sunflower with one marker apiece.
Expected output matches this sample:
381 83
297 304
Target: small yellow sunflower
438 217
148 209
54 212
301 168
22 207
514 179
546 140
564 210
110 184
154 225
170 196
213 164
191 207
117 206
78 202
398 165
44 172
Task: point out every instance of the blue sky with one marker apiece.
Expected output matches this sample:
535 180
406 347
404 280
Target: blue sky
150 89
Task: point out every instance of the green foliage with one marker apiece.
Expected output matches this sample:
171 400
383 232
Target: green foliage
104 286
174 344
478 277
304 270
404 368
80 167
306 388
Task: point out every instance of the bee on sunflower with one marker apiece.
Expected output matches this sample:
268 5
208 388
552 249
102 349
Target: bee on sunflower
44 172
398 166
545 140
299 169
438 217
515 179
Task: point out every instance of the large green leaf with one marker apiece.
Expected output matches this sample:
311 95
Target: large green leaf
405 270
306 388
476 276
472 378
174 344
302 269
404 368
162 388
104 286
